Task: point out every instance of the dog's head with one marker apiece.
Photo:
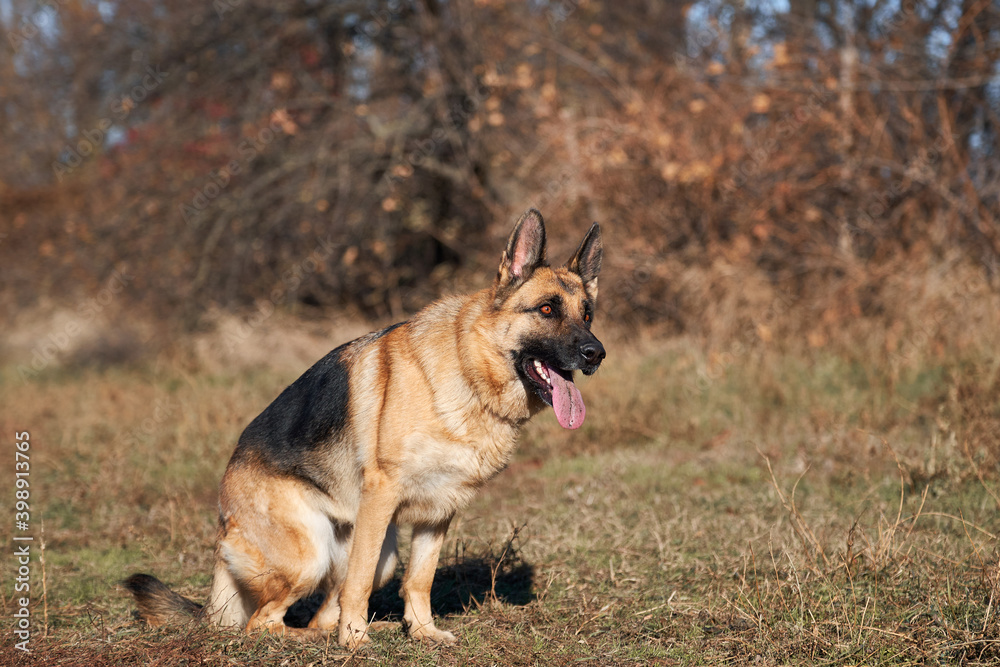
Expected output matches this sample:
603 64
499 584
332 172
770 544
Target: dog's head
549 312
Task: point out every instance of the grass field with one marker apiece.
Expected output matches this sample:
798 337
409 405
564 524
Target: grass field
764 507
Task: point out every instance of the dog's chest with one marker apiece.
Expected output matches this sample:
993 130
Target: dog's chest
441 475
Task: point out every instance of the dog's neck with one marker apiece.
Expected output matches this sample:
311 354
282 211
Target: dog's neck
492 377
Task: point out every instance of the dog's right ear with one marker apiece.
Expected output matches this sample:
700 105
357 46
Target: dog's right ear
525 251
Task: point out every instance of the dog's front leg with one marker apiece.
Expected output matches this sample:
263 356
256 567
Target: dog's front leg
378 504
416 589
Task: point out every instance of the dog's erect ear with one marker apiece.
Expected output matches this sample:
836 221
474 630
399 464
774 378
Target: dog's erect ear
586 263
525 250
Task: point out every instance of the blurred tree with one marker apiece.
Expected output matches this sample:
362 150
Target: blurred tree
220 146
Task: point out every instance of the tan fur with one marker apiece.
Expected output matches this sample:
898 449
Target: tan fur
434 411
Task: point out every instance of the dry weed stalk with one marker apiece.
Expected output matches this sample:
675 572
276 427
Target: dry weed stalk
991 581
508 547
810 543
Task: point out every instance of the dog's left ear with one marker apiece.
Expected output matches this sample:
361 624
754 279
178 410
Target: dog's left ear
586 263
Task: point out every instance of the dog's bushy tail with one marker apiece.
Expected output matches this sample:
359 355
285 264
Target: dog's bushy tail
158 605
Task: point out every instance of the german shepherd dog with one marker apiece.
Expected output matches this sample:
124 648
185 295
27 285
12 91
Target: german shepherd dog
401 426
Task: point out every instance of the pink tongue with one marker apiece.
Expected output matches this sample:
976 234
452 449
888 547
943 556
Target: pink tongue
566 400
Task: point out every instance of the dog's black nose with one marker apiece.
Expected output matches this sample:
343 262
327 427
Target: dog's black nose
592 351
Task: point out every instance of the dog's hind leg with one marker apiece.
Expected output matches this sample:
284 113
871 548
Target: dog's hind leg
227 605
274 594
275 599
328 615
277 544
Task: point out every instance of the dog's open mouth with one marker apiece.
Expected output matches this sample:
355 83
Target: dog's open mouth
555 387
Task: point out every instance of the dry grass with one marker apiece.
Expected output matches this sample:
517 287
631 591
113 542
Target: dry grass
782 505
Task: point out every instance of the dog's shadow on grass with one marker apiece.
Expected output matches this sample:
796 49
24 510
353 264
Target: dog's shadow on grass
462 585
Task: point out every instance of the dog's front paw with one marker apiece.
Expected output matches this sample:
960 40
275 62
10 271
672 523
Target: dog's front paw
431 634
354 634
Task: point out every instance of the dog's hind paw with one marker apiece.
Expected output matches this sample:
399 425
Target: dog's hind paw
431 634
308 634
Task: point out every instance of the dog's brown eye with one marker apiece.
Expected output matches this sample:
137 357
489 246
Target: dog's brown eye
545 309
586 317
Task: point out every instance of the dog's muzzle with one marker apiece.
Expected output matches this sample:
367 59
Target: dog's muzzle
591 354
